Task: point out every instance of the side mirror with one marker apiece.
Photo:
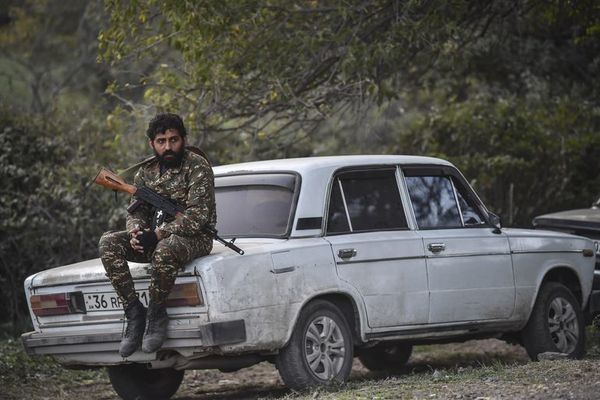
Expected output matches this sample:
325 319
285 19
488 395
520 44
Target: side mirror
495 221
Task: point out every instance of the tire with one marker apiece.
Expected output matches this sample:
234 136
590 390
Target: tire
385 356
556 323
135 381
320 351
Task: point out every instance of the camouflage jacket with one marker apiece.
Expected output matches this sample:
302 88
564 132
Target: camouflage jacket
191 186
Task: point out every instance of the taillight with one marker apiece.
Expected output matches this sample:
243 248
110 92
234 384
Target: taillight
184 294
57 303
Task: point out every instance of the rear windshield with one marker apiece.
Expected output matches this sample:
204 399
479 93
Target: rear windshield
258 205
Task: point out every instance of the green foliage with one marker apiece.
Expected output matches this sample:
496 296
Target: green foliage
245 67
524 156
518 111
54 136
47 56
519 153
49 214
254 79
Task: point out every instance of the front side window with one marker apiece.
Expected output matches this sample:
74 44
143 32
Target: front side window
471 215
441 200
365 201
433 201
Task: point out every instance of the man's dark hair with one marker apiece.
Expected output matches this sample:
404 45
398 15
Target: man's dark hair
162 122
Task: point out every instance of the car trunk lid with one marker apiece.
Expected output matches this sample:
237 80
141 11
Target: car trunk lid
86 271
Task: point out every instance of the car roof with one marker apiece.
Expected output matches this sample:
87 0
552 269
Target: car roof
306 164
315 176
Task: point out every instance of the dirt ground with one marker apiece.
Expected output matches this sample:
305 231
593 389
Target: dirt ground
263 380
479 370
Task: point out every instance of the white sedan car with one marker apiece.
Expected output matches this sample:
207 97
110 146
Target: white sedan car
344 256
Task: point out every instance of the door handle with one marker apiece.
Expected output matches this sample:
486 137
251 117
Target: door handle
436 247
283 270
347 253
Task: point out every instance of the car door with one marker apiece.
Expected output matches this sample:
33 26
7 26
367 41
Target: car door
469 265
373 248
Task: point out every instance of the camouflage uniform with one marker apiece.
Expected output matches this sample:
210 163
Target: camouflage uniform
191 185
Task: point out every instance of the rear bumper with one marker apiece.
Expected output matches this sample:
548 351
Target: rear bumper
101 348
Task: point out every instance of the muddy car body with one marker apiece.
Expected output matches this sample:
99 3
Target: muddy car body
344 256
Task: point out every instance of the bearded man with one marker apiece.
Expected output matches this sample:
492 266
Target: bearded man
186 178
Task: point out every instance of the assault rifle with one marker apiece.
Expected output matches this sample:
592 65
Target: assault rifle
143 194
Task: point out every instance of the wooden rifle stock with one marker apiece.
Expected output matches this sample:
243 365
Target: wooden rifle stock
110 180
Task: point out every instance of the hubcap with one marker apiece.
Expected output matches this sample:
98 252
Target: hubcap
564 328
324 348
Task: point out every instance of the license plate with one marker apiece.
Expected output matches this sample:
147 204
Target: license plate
108 301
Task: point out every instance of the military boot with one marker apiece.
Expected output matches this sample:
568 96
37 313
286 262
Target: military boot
135 313
156 328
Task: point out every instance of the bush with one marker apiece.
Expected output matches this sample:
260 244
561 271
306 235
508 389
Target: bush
525 157
48 216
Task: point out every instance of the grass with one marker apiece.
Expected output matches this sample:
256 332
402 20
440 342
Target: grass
467 372
501 380
575 379
22 375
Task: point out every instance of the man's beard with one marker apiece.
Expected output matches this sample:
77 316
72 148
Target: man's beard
173 160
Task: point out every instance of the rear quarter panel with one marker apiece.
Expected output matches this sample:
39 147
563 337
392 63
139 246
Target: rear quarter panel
253 288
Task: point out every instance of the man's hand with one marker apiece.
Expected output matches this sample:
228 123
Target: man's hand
148 240
134 241
142 241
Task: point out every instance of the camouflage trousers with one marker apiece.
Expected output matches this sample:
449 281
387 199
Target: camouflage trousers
169 256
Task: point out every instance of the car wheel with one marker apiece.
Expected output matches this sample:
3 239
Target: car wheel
556 323
135 381
320 350
385 356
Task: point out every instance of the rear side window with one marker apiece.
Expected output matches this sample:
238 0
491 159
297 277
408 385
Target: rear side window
365 201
